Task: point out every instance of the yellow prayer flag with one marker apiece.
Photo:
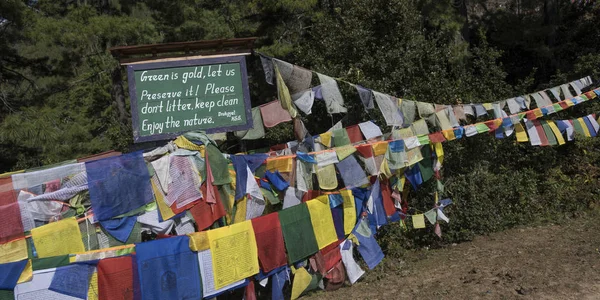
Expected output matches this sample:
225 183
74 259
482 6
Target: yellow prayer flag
27 273
165 211
586 131
326 138
556 131
199 241
538 113
439 152
13 251
280 164
380 148
449 135
344 151
182 142
322 221
234 253
385 169
406 132
240 211
284 94
349 211
93 287
521 134
57 238
414 156
301 282
326 177
487 106
418 221
569 102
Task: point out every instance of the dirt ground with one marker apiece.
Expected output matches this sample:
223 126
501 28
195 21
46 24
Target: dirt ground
546 262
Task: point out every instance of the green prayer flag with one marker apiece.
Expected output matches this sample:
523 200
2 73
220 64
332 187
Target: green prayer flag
481 128
431 216
49 262
218 165
298 234
578 128
440 187
423 139
340 137
426 164
270 196
549 134
557 107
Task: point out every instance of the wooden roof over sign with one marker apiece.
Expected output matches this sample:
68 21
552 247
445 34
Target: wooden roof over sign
129 54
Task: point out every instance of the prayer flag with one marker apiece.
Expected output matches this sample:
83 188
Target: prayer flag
118 185
168 269
57 238
234 253
298 233
322 221
115 278
269 242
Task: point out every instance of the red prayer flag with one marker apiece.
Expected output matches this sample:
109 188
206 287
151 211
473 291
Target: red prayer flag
386 198
250 293
563 104
437 137
491 125
365 150
312 194
530 115
541 133
269 241
278 147
11 226
115 278
273 114
206 214
332 255
354 134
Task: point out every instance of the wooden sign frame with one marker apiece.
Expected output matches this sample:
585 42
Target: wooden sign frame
135 118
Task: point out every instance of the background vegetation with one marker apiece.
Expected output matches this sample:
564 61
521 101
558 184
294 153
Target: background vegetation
56 99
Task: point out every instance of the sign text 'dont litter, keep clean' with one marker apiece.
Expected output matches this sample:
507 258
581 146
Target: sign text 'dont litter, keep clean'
169 98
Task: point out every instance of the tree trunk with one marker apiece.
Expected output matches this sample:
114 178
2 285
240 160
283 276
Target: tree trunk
118 95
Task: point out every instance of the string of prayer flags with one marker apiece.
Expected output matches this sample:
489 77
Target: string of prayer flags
168 269
234 253
298 234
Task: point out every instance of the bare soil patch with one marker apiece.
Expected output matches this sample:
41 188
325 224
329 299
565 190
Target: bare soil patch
545 262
